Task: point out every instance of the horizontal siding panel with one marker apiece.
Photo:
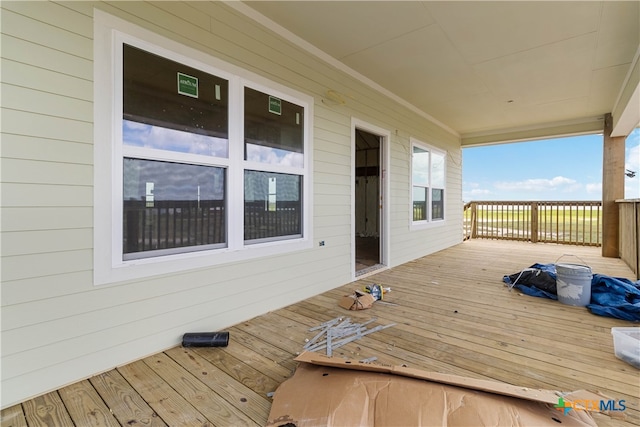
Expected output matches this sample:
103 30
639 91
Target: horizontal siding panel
187 13
194 287
39 288
46 195
86 363
326 177
321 210
38 172
45 241
43 149
47 81
68 19
101 329
82 7
322 147
332 200
49 264
25 52
50 104
38 125
338 190
45 34
46 218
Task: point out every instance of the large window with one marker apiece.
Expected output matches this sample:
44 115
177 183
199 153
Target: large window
169 206
427 183
197 162
273 141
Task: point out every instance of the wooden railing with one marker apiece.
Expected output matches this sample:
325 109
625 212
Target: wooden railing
172 224
565 222
176 224
629 238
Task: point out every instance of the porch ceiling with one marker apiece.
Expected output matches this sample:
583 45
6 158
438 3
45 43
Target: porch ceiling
489 71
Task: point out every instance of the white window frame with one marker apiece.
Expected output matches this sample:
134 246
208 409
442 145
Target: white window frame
109 267
429 221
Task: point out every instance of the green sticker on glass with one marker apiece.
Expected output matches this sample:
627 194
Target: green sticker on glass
187 85
275 105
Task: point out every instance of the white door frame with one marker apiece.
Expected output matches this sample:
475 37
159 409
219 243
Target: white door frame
385 138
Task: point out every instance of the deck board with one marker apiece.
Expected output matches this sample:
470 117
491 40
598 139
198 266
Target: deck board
453 315
125 403
86 407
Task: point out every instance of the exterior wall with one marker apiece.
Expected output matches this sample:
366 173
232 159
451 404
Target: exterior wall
57 327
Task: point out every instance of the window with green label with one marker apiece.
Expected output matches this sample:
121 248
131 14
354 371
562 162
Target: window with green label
180 169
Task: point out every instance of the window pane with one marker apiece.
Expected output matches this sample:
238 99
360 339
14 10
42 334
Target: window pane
420 203
273 130
420 167
272 205
171 205
169 106
437 170
437 204
143 135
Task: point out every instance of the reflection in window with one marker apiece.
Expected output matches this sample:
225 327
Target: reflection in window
420 167
419 203
273 130
437 170
428 182
170 106
272 205
420 179
169 207
437 204
159 138
437 184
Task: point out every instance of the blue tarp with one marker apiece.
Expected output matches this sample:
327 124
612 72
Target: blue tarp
610 296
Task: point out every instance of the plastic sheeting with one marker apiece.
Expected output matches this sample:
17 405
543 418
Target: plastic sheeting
610 296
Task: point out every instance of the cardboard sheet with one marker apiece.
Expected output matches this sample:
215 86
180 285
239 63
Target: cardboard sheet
357 301
333 392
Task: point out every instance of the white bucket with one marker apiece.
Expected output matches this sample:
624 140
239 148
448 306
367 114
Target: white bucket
574 284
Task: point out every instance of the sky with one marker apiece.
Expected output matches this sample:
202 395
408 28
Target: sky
555 169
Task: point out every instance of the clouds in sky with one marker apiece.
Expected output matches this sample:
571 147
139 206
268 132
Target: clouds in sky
555 169
144 135
595 189
528 189
558 183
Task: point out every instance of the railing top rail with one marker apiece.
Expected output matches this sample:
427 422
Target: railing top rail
528 202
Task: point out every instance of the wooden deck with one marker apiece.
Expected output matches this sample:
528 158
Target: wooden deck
453 315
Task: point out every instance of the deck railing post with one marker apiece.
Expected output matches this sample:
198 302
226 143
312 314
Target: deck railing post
474 222
534 222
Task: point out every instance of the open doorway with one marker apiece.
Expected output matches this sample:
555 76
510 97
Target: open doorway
368 201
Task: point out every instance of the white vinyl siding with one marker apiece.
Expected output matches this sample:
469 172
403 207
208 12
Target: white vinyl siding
49 303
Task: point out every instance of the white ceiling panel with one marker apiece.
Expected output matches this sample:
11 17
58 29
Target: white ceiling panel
423 53
618 35
461 62
546 74
483 31
341 28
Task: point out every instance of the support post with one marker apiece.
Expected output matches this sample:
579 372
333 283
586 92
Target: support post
612 188
534 222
